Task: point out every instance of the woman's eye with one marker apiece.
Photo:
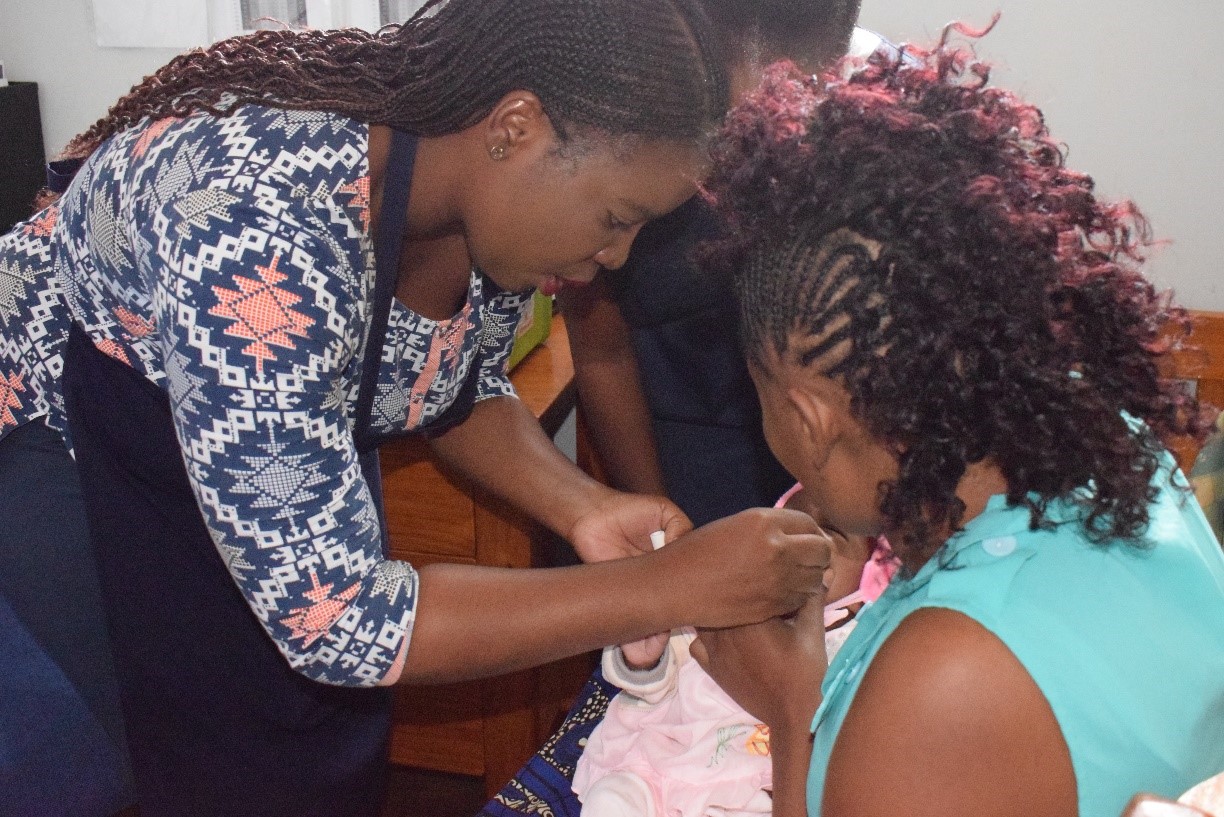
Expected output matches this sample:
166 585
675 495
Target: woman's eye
614 223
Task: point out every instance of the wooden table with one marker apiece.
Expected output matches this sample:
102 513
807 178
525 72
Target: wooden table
486 728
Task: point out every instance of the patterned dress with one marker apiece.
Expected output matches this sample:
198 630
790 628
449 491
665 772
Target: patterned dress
230 262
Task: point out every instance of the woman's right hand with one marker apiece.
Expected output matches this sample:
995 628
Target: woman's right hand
743 569
473 621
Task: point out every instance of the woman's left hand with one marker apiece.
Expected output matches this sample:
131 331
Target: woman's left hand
618 524
773 669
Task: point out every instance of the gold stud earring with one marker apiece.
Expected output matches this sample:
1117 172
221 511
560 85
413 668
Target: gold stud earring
497 152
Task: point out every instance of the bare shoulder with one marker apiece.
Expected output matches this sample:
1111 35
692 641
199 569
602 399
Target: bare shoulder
948 722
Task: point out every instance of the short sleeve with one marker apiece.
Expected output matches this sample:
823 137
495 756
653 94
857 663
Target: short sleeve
503 314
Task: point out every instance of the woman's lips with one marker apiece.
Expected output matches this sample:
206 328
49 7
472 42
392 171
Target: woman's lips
552 284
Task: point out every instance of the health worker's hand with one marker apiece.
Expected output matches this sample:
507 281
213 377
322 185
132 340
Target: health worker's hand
618 524
745 568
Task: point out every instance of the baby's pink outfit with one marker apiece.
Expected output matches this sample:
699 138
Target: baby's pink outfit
673 744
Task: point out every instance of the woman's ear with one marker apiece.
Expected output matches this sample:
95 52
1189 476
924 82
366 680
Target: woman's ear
816 402
515 123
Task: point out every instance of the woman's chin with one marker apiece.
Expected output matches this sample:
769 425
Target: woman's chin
550 285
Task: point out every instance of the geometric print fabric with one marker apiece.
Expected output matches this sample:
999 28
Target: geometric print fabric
230 262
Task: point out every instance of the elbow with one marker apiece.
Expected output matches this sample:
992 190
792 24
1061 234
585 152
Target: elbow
359 641
329 662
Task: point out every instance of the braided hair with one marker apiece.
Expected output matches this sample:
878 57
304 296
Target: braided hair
623 67
915 235
816 30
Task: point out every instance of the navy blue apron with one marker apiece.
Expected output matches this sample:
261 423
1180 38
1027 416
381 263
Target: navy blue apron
218 723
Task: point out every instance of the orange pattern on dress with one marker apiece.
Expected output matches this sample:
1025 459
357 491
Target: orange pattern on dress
9 386
313 622
758 742
113 349
43 223
261 313
445 350
135 325
151 133
360 191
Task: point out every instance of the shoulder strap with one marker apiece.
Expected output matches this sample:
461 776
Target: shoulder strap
388 241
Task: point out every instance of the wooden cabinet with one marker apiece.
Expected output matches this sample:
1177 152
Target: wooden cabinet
485 728
1203 364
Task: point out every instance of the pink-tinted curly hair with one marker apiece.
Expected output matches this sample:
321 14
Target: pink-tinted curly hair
915 233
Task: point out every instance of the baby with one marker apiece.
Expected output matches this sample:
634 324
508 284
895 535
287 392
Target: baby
674 743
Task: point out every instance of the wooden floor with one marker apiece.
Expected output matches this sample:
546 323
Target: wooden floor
418 793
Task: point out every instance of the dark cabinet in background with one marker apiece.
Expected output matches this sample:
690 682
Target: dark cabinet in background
22 162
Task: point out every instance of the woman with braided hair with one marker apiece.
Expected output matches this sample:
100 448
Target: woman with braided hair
276 253
954 345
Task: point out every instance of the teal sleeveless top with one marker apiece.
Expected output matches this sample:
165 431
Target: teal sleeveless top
1127 644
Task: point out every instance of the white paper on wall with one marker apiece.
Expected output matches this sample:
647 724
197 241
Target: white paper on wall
192 23
228 18
150 23
397 11
374 14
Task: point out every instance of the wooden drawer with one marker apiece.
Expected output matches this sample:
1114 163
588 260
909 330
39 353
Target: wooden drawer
440 728
426 511
480 728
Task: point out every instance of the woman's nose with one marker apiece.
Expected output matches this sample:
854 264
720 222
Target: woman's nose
616 253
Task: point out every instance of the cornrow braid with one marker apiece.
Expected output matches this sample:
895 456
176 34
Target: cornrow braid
914 233
818 283
648 68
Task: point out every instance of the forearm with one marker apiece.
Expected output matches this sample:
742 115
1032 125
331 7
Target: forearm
476 622
620 425
610 389
775 671
790 750
502 449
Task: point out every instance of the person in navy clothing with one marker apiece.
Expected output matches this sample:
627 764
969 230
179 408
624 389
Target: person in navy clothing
662 382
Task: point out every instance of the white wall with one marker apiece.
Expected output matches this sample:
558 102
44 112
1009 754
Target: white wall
52 42
1135 87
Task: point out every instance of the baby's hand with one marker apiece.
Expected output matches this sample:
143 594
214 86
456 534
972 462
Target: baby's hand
646 652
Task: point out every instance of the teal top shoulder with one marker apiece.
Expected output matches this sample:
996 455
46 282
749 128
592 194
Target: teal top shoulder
1126 643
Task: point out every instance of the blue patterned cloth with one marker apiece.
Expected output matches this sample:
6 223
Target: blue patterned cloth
543 786
229 261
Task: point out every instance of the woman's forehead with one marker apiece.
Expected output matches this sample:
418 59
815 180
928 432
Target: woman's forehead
654 179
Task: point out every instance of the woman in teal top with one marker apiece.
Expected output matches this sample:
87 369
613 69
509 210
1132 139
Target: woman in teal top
1073 613
954 346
